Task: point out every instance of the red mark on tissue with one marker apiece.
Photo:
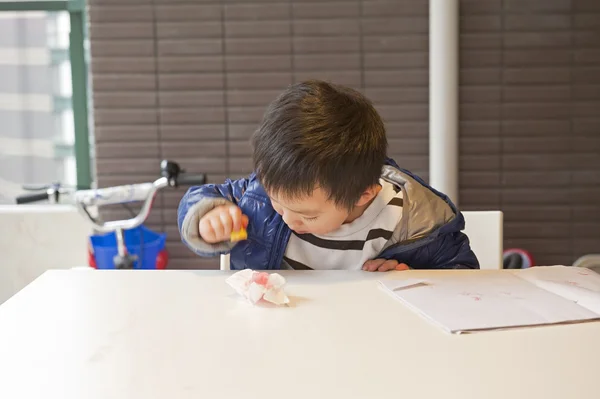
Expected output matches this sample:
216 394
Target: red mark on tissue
260 278
573 283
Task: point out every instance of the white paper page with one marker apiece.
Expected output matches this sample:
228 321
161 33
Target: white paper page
577 284
481 301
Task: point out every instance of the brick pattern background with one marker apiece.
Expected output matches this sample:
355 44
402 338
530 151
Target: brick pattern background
189 80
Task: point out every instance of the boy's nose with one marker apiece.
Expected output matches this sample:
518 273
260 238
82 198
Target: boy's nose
290 220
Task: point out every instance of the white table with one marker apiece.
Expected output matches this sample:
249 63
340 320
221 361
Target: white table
183 334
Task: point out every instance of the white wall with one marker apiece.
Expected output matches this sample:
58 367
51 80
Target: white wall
37 238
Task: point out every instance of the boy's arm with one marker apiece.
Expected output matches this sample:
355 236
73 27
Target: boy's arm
198 201
449 251
456 253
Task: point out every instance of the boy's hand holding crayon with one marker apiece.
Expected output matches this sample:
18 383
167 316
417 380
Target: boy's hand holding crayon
224 223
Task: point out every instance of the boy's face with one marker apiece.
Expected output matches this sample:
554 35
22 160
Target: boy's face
317 214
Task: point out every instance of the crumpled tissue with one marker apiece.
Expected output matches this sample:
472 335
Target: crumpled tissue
255 286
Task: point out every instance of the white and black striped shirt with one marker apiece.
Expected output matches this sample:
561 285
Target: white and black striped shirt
349 247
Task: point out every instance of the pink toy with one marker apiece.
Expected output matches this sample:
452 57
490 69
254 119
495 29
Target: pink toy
255 286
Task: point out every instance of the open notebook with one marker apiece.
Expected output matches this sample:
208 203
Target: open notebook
469 302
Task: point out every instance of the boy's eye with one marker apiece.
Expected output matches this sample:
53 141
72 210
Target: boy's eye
310 219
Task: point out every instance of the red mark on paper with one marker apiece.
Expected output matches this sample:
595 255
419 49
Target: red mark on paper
473 295
510 294
573 283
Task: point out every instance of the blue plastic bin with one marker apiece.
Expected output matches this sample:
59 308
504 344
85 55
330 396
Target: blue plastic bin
105 247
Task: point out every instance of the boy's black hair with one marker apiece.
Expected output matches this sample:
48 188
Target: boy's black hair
317 134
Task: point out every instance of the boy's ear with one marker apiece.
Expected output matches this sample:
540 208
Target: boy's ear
368 195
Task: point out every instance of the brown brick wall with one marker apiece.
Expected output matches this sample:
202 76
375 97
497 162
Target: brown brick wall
188 80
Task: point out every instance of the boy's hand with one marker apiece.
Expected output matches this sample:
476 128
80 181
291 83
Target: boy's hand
218 224
384 265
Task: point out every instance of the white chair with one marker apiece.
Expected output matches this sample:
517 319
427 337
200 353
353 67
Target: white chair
224 262
486 234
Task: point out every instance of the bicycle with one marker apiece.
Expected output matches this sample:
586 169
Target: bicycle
171 176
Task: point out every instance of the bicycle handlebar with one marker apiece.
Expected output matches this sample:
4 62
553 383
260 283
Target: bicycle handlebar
191 180
119 195
116 195
172 176
30 198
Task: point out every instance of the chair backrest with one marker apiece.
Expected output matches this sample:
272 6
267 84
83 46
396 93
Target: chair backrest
485 231
486 234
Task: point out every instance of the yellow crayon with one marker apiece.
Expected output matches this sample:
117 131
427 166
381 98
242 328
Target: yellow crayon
239 235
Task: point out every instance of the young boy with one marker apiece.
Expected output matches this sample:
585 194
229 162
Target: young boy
324 195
